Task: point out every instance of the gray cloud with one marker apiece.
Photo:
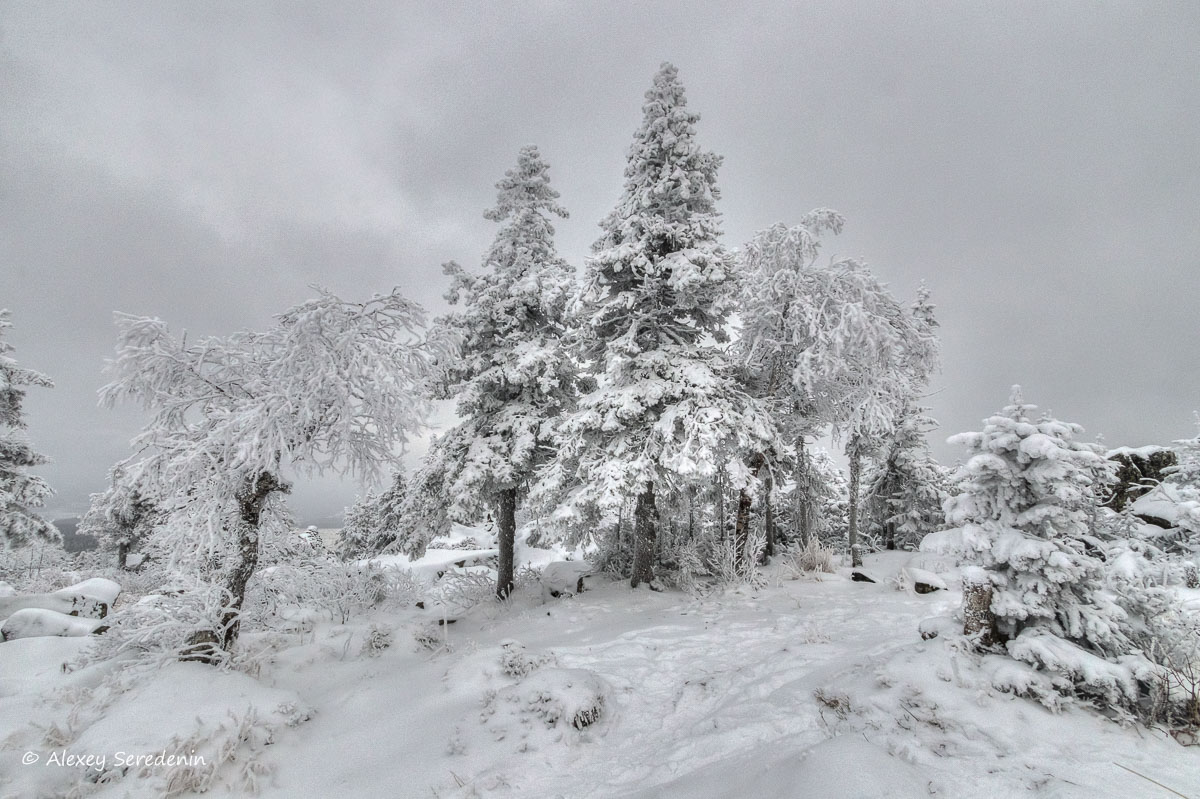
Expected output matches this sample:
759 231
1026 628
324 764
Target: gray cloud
205 162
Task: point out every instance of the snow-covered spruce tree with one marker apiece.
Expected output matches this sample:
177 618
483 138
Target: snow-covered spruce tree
332 385
906 488
650 317
369 525
1185 477
1026 489
512 375
360 526
424 512
21 493
121 517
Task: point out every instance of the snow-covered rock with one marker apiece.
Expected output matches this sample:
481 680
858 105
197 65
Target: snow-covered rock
91 599
1160 502
99 588
922 581
34 622
6 589
564 578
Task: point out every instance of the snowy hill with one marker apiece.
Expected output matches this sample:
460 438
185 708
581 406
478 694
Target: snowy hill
806 687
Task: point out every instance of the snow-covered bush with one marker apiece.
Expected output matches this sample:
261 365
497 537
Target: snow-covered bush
812 557
331 588
378 639
158 627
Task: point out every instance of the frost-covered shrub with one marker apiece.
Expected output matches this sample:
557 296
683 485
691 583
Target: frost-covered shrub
225 754
158 627
379 638
812 557
732 567
335 589
459 591
516 661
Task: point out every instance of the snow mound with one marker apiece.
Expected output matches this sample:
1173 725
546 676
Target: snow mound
943 542
34 622
921 581
545 706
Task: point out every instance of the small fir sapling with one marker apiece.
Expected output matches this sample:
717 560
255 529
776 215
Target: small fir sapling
1026 487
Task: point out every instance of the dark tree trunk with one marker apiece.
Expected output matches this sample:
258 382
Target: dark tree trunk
855 472
507 512
122 554
769 520
890 534
644 518
741 529
206 646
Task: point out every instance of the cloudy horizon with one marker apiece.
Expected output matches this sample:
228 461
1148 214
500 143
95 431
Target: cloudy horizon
1034 164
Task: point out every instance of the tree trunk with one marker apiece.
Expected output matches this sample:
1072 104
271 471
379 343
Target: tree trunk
741 529
978 618
644 518
802 501
855 470
506 509
205 646
890 533
122 554
769 519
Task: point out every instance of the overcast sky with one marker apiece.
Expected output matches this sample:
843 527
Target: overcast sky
1036 163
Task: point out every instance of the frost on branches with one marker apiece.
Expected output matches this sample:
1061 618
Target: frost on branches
332 385
21 493
512 375
1027 489
657 293
831 344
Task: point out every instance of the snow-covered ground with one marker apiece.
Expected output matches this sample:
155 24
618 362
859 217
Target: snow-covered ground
804 687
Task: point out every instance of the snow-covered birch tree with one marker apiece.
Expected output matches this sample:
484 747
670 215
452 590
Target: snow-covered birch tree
21 493
512 375
649 320
333 385
773 274
832 343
